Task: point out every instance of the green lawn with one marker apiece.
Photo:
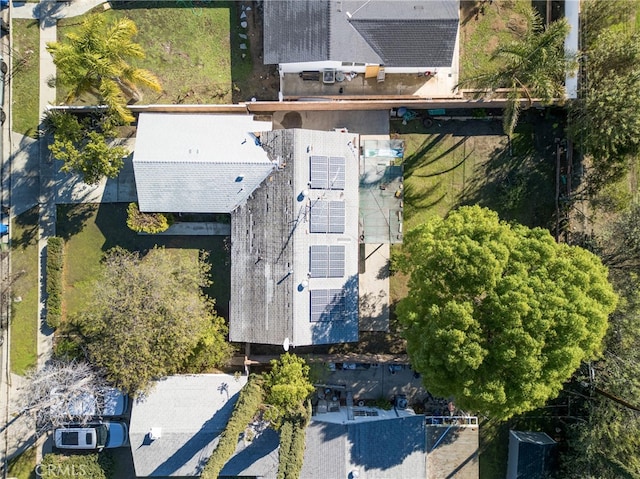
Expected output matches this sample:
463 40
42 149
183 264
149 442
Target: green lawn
188 46
482 32
90 230
24 270
25 76
23 466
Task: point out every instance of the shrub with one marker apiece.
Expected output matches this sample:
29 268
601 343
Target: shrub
292 444
248 404
150 223
55 261
58 466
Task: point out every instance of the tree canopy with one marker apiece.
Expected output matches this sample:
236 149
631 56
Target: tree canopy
530 67
288 386
149 318
499 315
95 59
86 146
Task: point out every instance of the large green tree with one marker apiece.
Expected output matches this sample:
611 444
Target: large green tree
149 318
499 315
96 59
288 386
531 67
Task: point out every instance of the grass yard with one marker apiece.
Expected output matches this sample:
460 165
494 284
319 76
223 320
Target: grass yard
90 230
24 313
23 466
455 163
25 76
193 47
483 28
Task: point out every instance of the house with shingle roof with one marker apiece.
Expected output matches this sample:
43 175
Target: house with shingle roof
404 36
175 427
293 198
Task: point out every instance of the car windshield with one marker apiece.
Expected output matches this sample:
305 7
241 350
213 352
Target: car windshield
101 435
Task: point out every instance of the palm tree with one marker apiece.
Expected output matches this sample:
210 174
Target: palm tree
95 60
533 66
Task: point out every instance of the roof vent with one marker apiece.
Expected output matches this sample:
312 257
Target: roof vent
155 433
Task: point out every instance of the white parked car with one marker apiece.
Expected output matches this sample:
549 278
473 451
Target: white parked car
92 437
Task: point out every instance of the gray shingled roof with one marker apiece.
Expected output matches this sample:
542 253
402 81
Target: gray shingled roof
259 458
396 33
410 43
271 241
197 163
289 33
389 448
191 412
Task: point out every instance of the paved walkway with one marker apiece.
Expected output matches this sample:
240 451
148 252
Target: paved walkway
35 180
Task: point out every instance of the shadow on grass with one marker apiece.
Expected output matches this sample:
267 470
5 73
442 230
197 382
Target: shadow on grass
28 224
519 187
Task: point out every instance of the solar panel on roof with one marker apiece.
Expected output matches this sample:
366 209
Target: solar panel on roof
319 172
319 217
336 217
327 305
336 261
326 261
327 217
319 261
336 173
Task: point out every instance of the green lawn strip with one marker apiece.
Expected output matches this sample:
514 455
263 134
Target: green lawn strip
25 76
24 270
186 46
23 466
481 34
90 230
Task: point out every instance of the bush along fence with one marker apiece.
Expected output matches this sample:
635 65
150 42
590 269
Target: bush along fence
55 260
292 443
249 402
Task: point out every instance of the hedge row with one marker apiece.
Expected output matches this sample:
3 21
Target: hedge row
55 260
249 401
94 466
292 444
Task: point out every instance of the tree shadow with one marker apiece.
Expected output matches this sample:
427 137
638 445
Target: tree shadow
519 186
72 219
338 322
28 223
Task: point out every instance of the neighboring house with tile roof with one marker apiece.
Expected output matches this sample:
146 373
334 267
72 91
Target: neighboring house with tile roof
404 36
175 427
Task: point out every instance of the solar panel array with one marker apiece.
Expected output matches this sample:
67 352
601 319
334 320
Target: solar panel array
327 261
327 173
327 305
327 217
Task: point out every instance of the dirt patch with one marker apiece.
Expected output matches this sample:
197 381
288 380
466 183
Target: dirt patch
263 82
